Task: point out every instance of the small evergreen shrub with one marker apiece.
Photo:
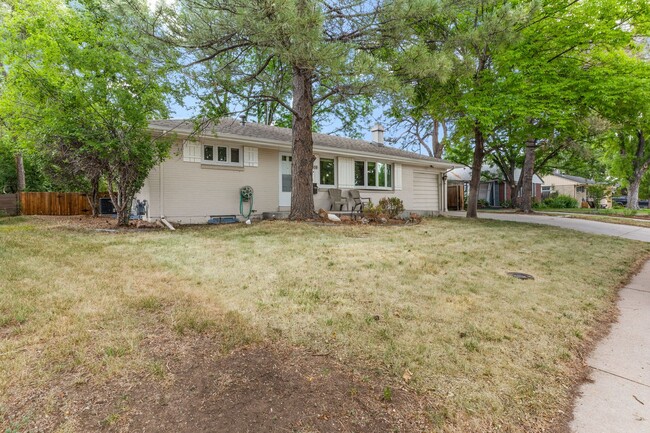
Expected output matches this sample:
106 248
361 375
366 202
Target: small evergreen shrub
561 202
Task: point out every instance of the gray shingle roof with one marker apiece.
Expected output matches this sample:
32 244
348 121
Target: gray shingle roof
257 130
577 179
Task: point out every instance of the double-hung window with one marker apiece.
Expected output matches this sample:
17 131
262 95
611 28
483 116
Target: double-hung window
221 155
373 174
326 173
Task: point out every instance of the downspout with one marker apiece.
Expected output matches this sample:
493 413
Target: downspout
445 208
161 191
162 198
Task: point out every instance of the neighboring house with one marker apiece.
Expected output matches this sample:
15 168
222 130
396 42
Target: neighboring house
493 189
203 176
564 184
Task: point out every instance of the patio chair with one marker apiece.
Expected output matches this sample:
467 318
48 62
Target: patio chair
358 201
336 200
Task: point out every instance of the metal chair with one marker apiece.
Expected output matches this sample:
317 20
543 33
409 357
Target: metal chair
336 199
357 200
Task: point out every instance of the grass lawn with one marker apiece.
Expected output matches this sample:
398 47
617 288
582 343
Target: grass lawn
613 220
83 310
604 212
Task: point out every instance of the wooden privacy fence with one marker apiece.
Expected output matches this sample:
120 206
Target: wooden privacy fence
8 204
54 203
455 197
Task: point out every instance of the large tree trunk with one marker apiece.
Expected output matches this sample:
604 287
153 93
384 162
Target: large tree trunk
302 199
435 140
526 202
438 145
477 164
640 168
121 201
633 191
514 194
20 172
93 196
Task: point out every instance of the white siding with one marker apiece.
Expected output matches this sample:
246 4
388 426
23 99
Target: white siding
192 192
407 194
425 191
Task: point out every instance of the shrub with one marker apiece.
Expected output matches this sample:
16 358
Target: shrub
561 202
617 205
629 212
483 204
371 211
506 203
391 206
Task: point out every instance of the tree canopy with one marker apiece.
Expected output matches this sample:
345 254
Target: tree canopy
79 90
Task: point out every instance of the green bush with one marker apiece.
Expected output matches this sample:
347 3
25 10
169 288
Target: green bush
371 211
391 206
483 204
629 212
616 205
506 203
561 202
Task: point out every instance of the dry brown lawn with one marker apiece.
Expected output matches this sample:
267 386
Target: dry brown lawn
425 313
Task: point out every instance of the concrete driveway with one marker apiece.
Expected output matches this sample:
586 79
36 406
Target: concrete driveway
595 227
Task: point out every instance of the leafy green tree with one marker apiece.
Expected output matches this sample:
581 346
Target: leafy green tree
623 98
257 53
449 65
76 86
511 76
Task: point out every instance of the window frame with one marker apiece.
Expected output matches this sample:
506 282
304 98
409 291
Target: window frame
318 171
376 163
215 155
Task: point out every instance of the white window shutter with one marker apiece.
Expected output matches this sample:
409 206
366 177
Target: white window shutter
398 177
191 151
250 157
346 172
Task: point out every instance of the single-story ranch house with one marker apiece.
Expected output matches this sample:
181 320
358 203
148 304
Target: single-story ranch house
205 172
564 184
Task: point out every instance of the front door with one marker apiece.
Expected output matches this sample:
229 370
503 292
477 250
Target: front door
285 180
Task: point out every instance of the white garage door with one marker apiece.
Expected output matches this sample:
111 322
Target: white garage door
425 191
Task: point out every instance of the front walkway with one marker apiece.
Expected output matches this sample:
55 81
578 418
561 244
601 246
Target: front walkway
617 397
595 227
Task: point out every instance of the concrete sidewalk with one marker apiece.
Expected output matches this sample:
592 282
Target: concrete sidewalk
595 227
617 400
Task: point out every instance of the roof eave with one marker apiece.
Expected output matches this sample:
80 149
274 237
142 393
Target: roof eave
283 145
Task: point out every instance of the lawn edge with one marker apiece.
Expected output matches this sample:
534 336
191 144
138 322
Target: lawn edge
562 423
